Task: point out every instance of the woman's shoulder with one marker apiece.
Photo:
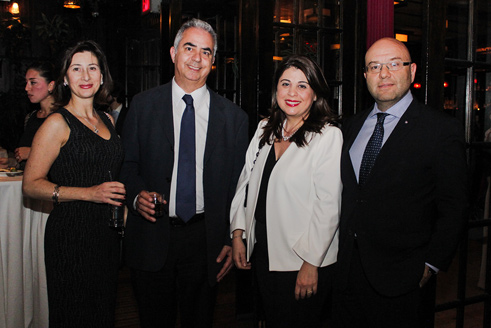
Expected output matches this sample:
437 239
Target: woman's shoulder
331 127
330 132
327 129
263 122
260 126
57 118
105 116
54 129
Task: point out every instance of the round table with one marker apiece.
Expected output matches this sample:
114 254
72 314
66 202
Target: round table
23 293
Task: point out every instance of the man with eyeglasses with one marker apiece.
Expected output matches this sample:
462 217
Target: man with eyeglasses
404 198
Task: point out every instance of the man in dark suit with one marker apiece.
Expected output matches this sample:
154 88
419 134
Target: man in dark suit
404 198
177 259
117 107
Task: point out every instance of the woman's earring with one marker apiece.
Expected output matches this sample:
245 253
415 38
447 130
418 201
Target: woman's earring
65 84
102 80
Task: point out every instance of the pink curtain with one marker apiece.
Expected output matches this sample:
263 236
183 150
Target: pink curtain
380 20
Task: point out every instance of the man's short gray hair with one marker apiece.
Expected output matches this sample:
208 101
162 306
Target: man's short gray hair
197 23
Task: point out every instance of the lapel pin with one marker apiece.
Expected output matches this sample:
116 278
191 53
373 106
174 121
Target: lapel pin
405 122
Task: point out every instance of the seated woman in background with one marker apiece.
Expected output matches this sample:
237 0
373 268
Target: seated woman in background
4 158
288 198
40 83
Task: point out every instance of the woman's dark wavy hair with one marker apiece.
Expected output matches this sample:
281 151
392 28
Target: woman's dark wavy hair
45 69
320 112
63 93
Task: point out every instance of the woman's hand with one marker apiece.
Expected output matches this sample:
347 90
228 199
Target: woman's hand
22 153
239 251
307 278
108 192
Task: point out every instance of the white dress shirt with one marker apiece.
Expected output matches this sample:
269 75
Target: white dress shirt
201 102
115 113
395 113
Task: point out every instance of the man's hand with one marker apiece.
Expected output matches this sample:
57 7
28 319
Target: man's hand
226 254
426 276
145 205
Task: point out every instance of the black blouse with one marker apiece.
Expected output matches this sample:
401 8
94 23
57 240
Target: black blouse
260 213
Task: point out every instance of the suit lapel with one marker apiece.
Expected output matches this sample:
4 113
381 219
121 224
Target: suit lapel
215 125
166 116
354 128
350 135
406 123
396 139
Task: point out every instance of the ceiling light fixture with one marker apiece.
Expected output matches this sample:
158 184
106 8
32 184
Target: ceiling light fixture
71 4
14 9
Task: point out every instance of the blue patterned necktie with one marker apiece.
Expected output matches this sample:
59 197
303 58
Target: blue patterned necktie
372 149
186 170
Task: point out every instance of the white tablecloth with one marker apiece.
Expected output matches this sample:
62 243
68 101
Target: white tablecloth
23 293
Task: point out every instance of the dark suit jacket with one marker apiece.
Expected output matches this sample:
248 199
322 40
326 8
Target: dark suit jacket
148 140
121 119
412 208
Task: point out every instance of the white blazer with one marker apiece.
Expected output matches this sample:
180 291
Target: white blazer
303 200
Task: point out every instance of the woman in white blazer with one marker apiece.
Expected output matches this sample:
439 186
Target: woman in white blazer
288 198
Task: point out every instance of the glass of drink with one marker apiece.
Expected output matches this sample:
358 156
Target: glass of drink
116 220
158 201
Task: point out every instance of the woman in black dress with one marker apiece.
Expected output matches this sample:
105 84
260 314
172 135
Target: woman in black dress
40 84
71 156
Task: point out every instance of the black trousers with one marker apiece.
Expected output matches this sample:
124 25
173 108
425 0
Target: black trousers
359 305
276 291
181 284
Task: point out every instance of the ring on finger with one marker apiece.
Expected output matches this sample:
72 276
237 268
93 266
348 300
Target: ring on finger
309 292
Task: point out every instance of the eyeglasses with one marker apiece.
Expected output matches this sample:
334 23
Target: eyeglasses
394 65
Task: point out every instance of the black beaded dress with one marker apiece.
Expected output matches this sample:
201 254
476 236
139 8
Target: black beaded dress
81 251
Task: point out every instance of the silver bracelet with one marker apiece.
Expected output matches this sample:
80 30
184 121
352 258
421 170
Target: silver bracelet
56 194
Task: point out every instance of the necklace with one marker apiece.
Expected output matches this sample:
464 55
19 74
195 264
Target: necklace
290 134
96 130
